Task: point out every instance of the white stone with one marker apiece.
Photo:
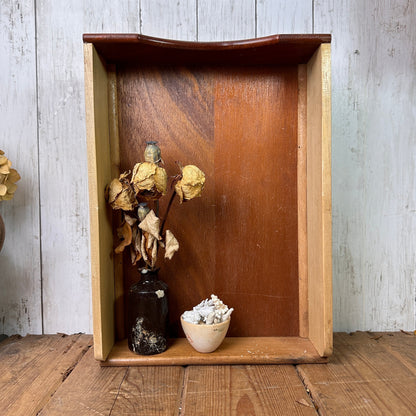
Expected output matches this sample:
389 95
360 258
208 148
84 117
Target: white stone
209 311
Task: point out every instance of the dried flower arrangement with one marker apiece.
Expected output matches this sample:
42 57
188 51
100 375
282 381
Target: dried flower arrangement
132 192
8 178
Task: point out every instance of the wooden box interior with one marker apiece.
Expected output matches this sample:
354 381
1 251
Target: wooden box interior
255 117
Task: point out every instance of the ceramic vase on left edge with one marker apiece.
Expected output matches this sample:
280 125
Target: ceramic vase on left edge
2 232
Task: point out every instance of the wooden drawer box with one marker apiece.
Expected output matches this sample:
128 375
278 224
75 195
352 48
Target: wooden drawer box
255 116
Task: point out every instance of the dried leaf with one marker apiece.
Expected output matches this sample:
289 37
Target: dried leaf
150 241
126 234
124 175
191 184
137 241
151 224
120 195
114 189
154 253
130 220
148 248
134 255
171 245
143 247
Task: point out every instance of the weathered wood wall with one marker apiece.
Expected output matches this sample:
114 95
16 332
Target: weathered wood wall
44 265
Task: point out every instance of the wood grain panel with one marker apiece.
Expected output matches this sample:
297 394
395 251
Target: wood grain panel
363 377
231 123
33 368
319 221
256 199
99 174
174 106
245 390
92 390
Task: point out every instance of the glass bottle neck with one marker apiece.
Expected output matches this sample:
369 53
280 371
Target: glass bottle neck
146 275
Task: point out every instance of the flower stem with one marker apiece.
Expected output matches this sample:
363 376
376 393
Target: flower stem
167 211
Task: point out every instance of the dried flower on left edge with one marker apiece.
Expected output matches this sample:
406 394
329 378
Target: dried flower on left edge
8 178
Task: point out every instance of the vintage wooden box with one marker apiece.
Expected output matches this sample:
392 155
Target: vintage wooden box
255 116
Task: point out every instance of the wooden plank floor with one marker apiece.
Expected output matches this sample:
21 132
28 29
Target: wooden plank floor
369 374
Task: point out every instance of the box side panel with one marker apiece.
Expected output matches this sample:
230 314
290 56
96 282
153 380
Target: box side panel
302 192
115 173
319 200
99 174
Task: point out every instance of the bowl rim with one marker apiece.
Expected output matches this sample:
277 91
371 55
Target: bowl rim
206 325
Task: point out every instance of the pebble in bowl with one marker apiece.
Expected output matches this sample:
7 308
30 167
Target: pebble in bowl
206 325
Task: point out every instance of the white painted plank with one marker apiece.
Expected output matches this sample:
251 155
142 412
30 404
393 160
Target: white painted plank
168 19
220 20
20 284
63 158
282 16
374 166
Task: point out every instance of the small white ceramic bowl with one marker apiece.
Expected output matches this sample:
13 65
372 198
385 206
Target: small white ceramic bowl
205 338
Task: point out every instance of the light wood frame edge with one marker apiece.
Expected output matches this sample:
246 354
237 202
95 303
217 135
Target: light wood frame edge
319 215
99 174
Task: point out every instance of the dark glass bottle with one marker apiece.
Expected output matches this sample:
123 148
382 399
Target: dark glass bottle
147 311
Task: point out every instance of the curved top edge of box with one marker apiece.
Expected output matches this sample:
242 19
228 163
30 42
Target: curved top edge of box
116 38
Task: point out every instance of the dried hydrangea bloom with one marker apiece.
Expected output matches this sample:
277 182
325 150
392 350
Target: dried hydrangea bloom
8 178
120 194
191 184
149 180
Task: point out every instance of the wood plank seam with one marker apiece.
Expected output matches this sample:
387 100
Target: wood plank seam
182 396
118 390
309 391
70 369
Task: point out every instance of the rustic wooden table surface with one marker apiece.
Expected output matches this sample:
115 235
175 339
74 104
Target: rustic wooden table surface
369 374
